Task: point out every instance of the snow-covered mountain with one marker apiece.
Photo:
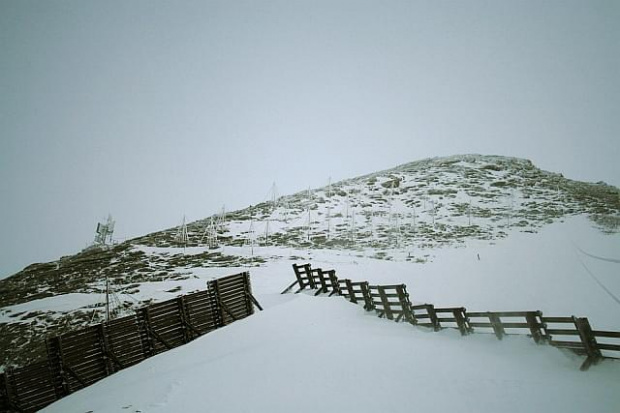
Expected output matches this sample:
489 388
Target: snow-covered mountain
532 235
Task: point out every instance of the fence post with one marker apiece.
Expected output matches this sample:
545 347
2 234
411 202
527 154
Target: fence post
496 322
144 325
461 320
308 269
535 327
188 334
350 290
368 306
589 342
387 310
432 314
322 280
7 401
4 394
103 343
56 363
403 297
335 284
214 293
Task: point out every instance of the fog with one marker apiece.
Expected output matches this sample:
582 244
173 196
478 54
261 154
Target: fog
151 110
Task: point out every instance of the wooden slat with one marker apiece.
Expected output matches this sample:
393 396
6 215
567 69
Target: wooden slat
558 320
447 310
231 284
236 278
480 325
566 344
515 325
558 332
612 347
614 334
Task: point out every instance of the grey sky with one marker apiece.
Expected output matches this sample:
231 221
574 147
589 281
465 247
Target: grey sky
150 110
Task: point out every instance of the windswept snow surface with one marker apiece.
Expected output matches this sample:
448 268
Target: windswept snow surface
309 354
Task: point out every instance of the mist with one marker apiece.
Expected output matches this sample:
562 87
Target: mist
152 110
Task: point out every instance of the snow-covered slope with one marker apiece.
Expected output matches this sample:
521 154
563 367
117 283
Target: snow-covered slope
309 354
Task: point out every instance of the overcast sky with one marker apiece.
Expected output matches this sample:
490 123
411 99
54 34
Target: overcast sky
149 110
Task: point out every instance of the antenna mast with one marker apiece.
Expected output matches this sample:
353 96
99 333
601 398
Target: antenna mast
103 233
182 236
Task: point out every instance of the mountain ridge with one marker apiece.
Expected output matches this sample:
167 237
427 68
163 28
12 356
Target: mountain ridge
405 213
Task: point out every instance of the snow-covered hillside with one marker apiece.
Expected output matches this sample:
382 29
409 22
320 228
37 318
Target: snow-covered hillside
309 354
487 233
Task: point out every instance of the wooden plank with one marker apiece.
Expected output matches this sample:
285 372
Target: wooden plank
496 322
87 356
351 294
557 320
389 287
448 309
231 289
77 346
121 332
508 313
562 332
386 308
232 284
515 325
478 314
612 347
536 326
613 334
431 314
566 344
589 342
242 275
239 296
461 320
386 294
236 277
125 342
365 288
476 324
79 341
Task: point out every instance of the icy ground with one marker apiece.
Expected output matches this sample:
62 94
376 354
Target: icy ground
309 354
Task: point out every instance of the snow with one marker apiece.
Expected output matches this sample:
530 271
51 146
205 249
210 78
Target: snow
313 354
542 271
60 304
309 354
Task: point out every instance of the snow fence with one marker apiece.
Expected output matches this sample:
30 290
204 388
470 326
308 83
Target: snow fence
80 358
392 302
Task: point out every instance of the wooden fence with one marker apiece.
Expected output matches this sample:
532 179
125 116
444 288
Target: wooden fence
392 302
80 358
